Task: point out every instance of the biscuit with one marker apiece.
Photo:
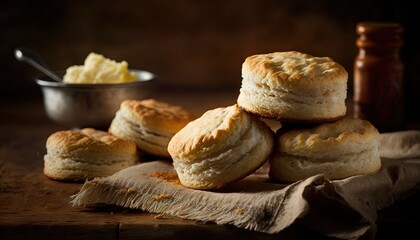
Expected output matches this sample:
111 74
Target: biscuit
293 86
77 155
222 146
150 124
337 150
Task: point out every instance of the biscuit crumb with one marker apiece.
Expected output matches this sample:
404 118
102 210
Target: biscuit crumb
131 190
239 210
161 196
171 177
159 216
127 190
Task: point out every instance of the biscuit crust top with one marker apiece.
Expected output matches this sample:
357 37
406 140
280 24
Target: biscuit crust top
157 115
293 69
348 133
215 129
88 139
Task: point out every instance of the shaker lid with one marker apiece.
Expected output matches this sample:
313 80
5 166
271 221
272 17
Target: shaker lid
383 33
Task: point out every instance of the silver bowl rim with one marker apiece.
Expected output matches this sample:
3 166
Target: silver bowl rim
143 77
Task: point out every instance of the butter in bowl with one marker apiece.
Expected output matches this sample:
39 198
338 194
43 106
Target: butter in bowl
90 94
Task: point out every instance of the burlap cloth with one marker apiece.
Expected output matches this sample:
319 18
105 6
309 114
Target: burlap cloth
345 209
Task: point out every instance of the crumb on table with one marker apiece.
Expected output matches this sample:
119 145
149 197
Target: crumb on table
239 210
161 196
171 177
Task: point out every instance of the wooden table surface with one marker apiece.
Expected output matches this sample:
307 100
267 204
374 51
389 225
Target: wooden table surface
33 206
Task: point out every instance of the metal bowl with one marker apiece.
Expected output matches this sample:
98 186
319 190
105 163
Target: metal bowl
90 105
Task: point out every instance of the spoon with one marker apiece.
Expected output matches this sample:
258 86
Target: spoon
31 57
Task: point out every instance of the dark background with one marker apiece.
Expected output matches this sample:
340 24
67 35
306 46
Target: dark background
193 45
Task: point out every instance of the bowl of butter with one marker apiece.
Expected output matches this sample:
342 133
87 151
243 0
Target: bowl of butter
90 94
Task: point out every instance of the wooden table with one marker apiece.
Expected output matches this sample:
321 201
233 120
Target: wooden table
34 207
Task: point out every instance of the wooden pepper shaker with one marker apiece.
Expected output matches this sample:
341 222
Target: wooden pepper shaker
378 75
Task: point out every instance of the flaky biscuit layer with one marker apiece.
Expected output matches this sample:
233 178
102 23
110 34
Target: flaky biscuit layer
150 124
222 146
77 155
338 150
293 86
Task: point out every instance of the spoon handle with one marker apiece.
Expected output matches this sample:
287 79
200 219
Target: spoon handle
32 58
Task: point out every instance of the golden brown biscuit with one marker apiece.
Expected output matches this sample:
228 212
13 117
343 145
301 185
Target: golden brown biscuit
150 124
222 146
77 155
337 150
293 86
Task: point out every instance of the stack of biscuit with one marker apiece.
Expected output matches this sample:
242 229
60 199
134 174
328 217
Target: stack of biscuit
302 89
227 144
